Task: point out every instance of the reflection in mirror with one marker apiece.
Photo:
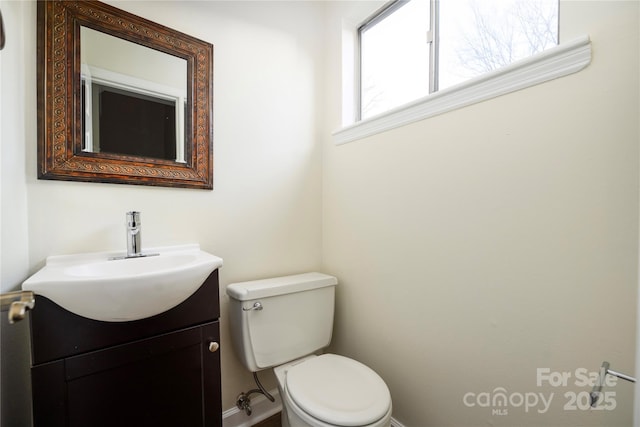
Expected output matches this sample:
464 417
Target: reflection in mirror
122 99
133 98
2 38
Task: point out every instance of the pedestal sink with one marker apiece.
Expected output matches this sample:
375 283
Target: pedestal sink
96 286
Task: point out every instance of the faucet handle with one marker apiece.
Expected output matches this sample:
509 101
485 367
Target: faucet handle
133 219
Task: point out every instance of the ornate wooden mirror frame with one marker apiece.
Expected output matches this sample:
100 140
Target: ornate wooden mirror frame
60 154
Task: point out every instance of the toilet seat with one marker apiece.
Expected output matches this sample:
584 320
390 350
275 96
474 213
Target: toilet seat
338 391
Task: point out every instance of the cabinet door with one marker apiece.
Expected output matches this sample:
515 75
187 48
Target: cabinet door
170 380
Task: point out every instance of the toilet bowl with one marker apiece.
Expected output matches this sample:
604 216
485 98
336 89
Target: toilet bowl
330 391
283 323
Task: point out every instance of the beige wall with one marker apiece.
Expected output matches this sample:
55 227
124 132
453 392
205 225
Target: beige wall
264 215
477 246
17 74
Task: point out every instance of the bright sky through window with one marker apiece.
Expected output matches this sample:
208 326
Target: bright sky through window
395 59
401 53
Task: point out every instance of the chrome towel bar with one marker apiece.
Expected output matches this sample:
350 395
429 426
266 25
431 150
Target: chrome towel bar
597 388
17 303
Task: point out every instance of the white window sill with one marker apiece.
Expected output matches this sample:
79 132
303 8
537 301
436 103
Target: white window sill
562 60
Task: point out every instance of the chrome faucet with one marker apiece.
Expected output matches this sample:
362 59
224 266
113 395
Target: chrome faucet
134 238
134 235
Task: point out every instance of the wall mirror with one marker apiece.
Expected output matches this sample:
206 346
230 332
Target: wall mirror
122 99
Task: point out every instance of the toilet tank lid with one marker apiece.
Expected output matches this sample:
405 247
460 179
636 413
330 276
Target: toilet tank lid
245 291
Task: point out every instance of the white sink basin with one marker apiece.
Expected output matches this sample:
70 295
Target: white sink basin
94 286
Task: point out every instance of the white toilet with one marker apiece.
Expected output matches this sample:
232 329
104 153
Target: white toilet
281 323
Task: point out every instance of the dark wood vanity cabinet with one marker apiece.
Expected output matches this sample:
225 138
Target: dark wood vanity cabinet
155 372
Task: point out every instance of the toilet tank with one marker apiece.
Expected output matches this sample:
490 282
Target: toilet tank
277 320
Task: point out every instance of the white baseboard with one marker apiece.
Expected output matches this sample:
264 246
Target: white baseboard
261 409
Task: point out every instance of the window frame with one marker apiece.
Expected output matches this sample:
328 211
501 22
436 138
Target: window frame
550 64
558 61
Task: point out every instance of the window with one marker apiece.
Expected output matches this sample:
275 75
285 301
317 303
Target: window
412 48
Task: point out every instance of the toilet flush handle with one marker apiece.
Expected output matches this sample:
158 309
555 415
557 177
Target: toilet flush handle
256 306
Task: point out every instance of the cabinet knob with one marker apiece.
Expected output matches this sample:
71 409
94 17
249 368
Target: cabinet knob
213 346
